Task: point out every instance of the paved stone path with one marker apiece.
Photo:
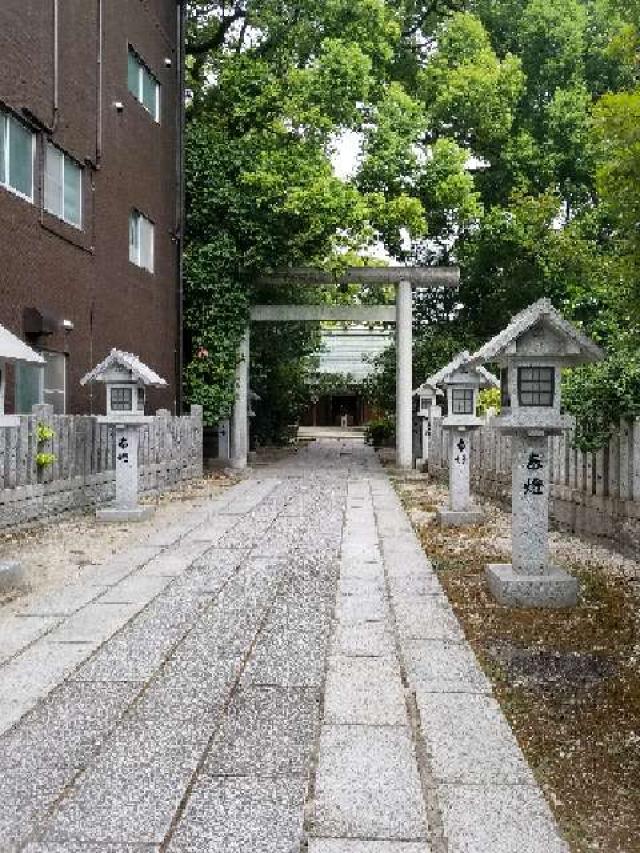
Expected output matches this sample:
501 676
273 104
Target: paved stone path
280 673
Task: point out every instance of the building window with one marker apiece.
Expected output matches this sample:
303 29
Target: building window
63 187
141 239
17 148
141 399
536 386
462 401
143 85
29 388
121 399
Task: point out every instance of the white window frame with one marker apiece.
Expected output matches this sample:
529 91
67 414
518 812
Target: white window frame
65 158
136 259
139 95
6 120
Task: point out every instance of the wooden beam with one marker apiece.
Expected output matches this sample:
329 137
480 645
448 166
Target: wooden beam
319 313
418 276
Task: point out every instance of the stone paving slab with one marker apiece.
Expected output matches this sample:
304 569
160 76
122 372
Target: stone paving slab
95 623
242 815
64 602
367 785
20 631
363 639
427 618
268 731
343 845
65 729
289 659
83 847
470 740
362 608
132 791
442 666
135 589
364 691
416 584
32 675
498 819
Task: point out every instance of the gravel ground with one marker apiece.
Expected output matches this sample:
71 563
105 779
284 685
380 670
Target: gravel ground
55 552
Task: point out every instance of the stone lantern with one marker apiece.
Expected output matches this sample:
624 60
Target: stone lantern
13 351
426 411
531 353
462 383
126 379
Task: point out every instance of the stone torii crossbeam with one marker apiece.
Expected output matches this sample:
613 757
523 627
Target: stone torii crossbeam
402 278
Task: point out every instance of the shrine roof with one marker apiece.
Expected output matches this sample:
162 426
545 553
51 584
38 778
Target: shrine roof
120 359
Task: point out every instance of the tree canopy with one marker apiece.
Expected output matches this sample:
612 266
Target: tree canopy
498 134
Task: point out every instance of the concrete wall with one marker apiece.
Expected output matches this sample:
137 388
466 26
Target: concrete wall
83 473
128 161
593 494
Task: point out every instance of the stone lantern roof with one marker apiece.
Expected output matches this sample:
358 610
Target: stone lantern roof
12 349
560 340
460 365
427 388
118 362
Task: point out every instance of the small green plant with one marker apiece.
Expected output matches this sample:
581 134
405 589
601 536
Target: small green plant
43 460
489 399
44 433
381 432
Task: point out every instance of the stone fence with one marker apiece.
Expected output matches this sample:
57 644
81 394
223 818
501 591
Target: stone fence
595 494
43 474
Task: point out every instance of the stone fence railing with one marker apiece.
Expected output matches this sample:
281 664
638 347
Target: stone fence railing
79 469
596 494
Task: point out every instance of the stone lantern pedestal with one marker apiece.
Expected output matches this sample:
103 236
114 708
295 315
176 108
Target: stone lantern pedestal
126 507
461 510
531 353
531 580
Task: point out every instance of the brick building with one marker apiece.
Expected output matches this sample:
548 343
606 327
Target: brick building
90 190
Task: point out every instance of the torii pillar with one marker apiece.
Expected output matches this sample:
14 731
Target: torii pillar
239 423
404 375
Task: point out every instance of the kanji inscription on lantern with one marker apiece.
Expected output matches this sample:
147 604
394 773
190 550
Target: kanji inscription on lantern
535 462
534 486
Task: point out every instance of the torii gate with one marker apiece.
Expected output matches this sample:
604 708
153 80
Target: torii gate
403 279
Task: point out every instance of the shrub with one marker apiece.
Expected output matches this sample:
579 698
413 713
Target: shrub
381 432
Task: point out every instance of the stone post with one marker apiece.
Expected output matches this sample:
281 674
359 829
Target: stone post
459 470
461 511
531 483
239 421
224 445
404 377
426 422
126 506
531 580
